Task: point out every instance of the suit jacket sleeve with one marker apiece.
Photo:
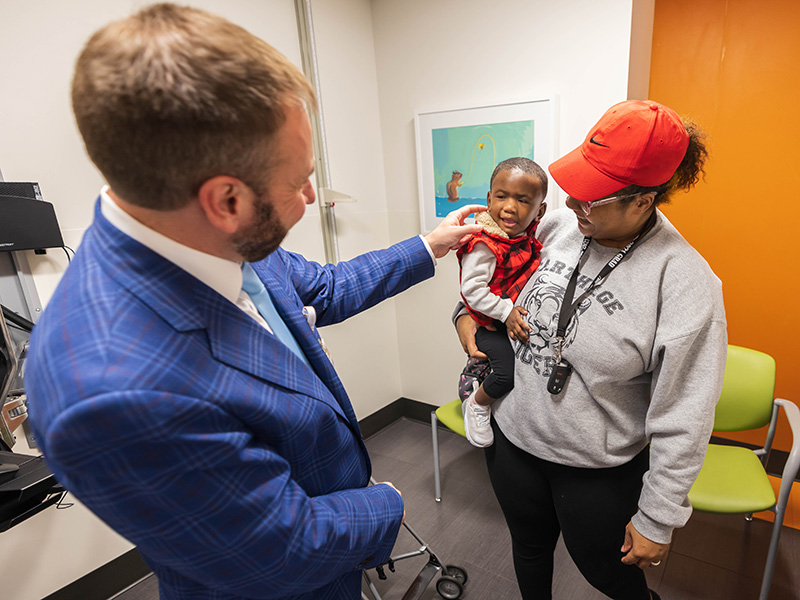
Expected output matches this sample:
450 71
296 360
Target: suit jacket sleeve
350 287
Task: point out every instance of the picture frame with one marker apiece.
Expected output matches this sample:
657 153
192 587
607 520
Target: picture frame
457 151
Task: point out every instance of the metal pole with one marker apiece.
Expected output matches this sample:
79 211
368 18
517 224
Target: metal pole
308 54
437 482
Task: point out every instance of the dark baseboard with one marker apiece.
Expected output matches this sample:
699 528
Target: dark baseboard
106 581
402 407
420 411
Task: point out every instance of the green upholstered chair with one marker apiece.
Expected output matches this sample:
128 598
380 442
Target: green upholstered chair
450 415
733 479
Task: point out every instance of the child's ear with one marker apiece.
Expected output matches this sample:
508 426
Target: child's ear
542 210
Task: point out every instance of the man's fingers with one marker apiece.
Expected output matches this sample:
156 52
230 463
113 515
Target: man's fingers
465 232
465 211
461 242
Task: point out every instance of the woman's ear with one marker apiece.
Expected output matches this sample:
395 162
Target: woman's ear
225 201
645 201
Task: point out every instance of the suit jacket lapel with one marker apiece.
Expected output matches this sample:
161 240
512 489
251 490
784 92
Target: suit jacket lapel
290 308
240 342
236 340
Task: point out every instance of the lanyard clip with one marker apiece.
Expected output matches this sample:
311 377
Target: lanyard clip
557 353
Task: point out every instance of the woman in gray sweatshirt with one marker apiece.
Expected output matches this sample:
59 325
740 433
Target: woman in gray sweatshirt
607 426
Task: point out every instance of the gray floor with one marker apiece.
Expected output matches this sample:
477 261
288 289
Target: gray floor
712 558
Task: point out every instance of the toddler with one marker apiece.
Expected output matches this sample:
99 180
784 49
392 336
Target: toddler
495 265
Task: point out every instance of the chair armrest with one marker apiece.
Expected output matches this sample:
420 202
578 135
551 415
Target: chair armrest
793 462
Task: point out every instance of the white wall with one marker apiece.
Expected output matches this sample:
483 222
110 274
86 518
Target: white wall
461 53
364 348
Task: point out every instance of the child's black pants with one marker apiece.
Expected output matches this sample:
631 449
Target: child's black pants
497 346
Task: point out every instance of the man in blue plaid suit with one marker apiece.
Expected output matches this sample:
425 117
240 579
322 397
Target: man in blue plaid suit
158 392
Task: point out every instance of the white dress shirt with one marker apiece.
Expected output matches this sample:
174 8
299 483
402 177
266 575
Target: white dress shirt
221 275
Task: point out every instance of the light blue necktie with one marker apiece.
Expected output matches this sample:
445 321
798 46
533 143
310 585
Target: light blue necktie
261 298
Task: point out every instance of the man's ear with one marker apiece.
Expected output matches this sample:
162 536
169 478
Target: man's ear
225 201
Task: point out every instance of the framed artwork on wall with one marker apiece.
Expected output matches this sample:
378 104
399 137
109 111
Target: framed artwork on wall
457 150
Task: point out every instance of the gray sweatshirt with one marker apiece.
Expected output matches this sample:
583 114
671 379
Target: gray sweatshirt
648 350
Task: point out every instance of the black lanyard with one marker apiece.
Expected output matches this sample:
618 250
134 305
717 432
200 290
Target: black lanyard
561 368
564 316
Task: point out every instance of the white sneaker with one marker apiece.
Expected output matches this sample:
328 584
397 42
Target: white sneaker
477 422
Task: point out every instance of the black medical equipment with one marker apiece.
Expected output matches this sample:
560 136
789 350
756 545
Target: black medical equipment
27 222
26 484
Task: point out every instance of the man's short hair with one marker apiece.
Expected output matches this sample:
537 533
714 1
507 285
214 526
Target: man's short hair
172 96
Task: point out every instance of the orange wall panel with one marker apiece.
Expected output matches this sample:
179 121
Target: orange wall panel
734 67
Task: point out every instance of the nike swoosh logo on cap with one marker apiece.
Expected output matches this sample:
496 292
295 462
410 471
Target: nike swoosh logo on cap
591 141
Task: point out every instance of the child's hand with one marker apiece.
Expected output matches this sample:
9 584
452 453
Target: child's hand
517 327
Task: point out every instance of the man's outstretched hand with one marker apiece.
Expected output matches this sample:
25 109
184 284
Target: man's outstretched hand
452 233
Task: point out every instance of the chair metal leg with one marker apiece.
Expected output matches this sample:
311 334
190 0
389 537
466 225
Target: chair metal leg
435 434
772 555
787 481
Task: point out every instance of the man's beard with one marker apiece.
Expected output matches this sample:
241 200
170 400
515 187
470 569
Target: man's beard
262 237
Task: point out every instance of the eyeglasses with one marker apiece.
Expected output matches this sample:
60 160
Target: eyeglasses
587 206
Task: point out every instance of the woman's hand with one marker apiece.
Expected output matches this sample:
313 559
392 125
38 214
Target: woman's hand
640 551
517 327
466 328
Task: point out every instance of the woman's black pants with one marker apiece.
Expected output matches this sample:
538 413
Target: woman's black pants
589 507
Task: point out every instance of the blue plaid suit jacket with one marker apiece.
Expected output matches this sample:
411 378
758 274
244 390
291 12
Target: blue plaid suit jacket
237 470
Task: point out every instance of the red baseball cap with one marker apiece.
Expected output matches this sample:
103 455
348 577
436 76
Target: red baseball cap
635 143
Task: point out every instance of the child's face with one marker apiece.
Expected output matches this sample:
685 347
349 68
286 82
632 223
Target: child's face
515 201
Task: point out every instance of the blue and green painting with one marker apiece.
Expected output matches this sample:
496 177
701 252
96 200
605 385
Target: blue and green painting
464 158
